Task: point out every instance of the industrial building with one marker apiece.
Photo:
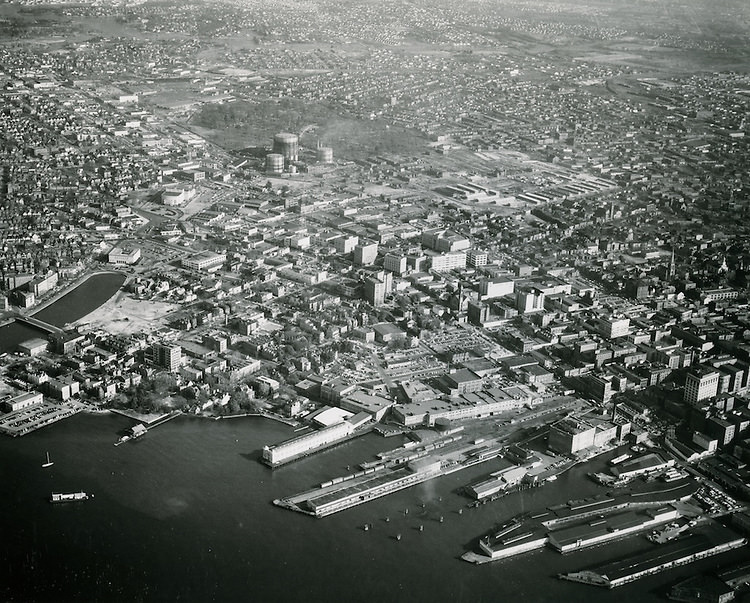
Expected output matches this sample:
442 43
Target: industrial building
287 145
473 405
205 261
570 436
500 480
33 347
641 465
274 163
324 155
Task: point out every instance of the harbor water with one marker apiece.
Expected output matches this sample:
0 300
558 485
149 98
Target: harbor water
185 513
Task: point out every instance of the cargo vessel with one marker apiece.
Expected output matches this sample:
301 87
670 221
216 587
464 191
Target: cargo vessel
69 497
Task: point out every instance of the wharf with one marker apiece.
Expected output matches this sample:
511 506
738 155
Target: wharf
143 428
627 512
711 540
397 469
265 415
354 490
163 419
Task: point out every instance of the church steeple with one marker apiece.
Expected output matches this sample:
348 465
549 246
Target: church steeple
672 269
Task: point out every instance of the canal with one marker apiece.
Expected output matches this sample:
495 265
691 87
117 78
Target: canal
76 304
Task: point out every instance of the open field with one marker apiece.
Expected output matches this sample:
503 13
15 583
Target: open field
124 315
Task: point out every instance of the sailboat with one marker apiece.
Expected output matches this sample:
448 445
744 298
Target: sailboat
49 463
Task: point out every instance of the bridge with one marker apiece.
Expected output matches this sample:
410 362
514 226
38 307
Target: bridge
38 324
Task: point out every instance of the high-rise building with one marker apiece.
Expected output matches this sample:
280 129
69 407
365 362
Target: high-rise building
478 312
345 244
448 261
395 262
529 299
377 287
495 287
613 327
167 356
570 436
702 383
444 240
365 254
477 258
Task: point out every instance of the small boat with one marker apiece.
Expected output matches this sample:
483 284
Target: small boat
398 536
387 519
421 528
49 463
366 527
441 519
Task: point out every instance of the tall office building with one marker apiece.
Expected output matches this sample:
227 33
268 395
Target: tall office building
529 299
167 356
477 258
702 383
365 254
377 287
395 262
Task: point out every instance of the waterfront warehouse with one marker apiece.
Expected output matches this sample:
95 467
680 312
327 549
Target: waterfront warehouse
305 444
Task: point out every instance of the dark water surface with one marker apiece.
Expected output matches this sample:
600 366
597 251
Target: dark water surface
82 300
185 514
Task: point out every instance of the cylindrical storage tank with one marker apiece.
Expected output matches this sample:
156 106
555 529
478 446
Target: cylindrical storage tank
325 155
274 163
287 145
443 424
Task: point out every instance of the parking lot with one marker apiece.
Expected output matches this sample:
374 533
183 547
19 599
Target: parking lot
26 420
